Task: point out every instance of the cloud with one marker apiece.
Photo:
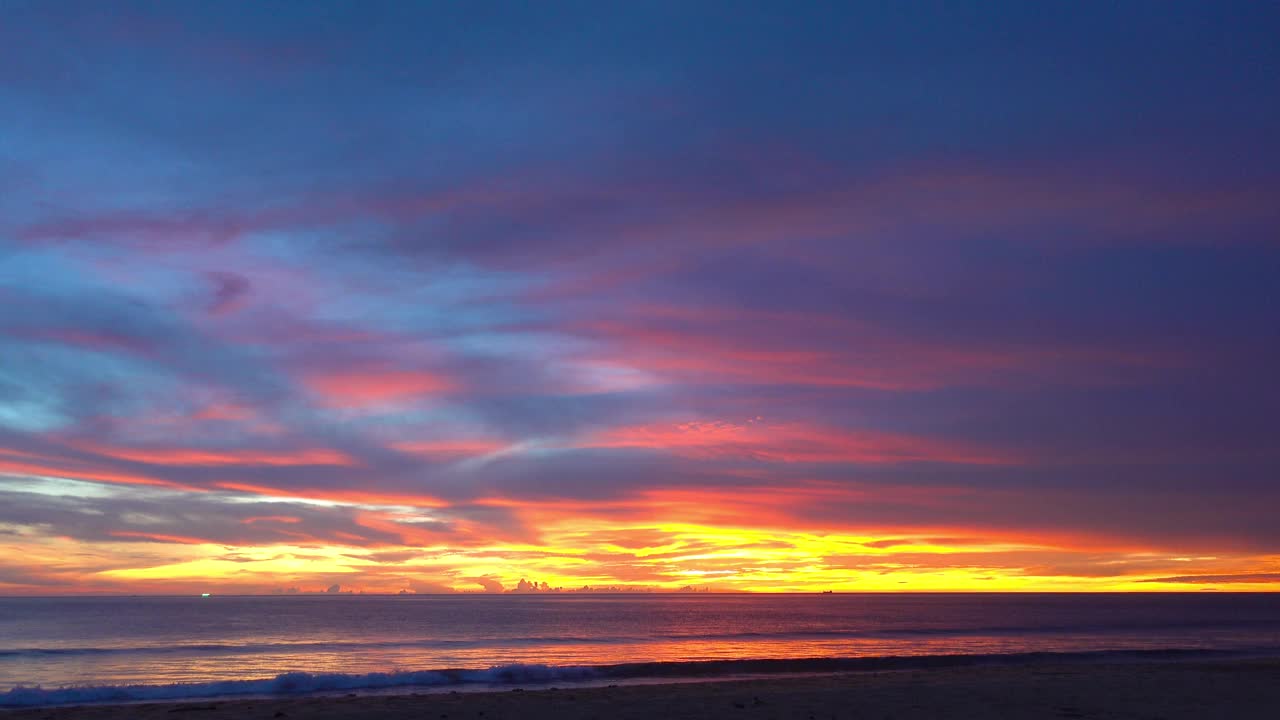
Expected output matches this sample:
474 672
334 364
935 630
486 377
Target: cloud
760 440
229 291
1262 578
166 516
202 457
490 585
359 388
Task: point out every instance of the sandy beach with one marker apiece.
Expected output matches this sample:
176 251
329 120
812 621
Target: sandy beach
1167 691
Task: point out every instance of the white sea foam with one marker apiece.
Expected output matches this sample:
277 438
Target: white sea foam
295 683
291 684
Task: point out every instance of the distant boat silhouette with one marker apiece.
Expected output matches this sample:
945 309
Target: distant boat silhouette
826 592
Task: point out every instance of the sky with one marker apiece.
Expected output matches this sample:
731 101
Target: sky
437 297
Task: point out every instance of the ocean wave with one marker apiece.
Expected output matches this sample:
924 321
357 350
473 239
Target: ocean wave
296 683
501 642
292 683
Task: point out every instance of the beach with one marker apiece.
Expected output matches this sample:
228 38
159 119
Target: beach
1145 691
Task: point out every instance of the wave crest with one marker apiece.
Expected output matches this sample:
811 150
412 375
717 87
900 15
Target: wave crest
294 683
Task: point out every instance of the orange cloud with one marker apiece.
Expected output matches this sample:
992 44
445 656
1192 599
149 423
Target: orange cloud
271 518
729 539
409 533
80 472
207 457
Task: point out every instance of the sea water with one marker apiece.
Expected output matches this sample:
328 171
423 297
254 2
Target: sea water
76 649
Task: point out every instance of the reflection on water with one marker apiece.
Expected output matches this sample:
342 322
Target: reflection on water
55 642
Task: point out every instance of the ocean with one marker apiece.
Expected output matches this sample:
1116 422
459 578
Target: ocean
81 649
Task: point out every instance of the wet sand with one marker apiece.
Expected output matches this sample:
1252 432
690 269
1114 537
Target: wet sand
1169 691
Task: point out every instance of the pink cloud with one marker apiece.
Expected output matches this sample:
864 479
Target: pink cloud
207 457
723 347
362 388
450 447
789 443
222 411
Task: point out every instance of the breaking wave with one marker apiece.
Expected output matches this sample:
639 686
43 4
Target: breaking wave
312 647
295 683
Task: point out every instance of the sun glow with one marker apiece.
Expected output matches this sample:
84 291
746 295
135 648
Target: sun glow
598 554
749 539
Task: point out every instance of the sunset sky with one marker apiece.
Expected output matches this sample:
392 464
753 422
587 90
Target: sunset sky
434 297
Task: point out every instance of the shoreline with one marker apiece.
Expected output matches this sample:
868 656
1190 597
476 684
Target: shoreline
300 684
1171 690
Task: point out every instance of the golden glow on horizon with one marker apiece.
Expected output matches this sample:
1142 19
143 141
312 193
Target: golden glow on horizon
741 539
603 554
